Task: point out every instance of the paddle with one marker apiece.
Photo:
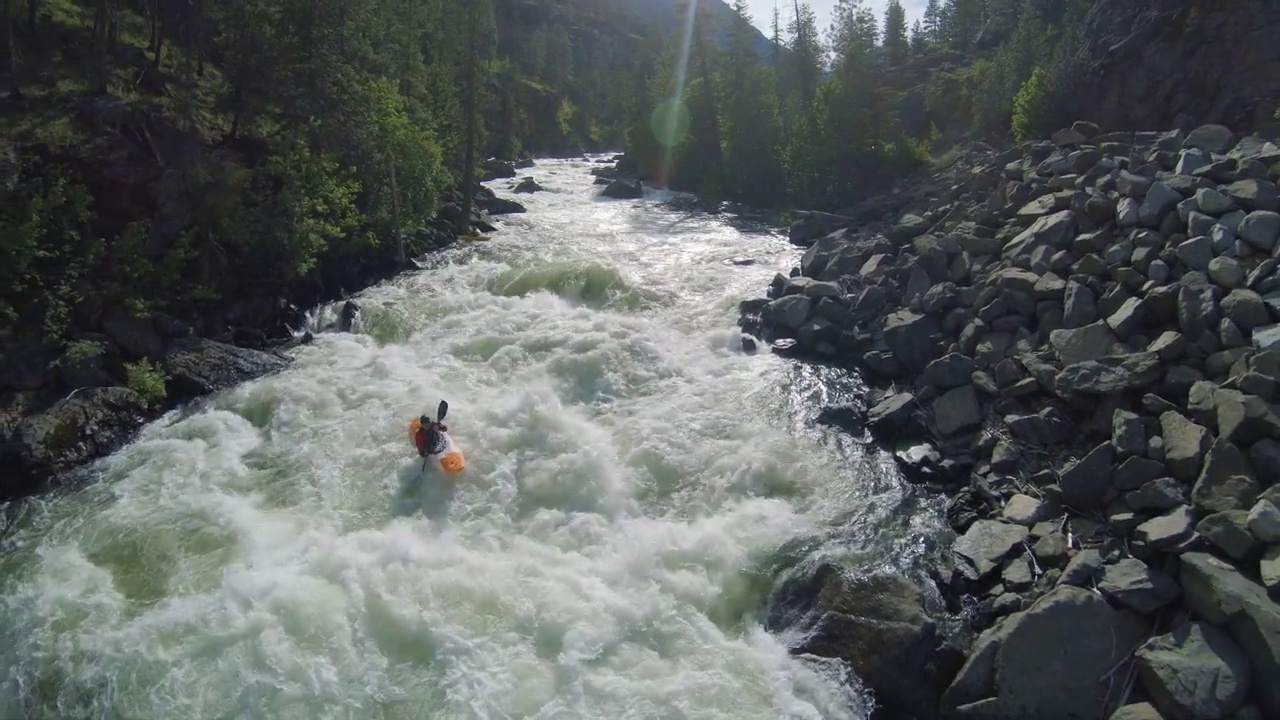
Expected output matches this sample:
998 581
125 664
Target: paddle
441 410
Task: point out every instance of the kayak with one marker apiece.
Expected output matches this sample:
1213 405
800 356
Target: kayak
451 461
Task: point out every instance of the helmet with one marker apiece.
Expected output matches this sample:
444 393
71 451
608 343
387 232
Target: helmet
426 421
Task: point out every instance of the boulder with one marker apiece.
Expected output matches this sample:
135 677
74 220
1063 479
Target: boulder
1053 660
1260 229
1166 532
1137 711
1229 532
1226 482
1185 445
1195 672
949 371
1084 483
1089 342
1214 203
137 338
910 336
1254 194
1269 570
503 206
527 185
1109 375
85 425
877 625
624 190
1217 139
1079 306
892 416
1051 231
1246 309
788 313
957 410
197 366
1217 593
1264 521
1135 585
1226 272
986 544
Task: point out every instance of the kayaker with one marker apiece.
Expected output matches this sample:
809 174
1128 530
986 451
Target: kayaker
428 436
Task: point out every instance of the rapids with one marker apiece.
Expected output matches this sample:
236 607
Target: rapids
636 486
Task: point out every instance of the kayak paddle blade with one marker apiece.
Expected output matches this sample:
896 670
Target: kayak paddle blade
442 411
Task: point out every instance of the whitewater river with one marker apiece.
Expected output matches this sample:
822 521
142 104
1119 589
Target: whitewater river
637 485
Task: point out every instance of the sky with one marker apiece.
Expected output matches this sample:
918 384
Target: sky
762 11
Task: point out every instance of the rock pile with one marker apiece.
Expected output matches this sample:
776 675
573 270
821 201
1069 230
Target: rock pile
1080 340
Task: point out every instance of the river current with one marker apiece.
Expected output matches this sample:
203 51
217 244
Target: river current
637 485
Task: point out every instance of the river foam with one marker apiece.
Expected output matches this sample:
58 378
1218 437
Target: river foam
635 484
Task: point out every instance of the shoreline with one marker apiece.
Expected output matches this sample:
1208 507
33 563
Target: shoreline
83 412
1077 342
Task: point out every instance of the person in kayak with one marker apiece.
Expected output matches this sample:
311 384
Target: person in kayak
428 436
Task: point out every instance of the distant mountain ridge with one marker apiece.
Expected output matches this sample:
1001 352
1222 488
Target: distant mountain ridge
669 15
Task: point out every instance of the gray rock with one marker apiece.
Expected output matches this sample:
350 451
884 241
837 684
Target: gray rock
1158 272
1051 231
986 544
1230 336
1260 229
1263 522
1084 483
1185 445
1128 213
197 366
1127 434
1159 200
1137 711
1112 374
1216 139
1170 345
949 371
1244 419
1089 342
1254 194
1083 569
892 415
1089 638
1051 550
1219 594
1196 252
1167 531
1266 337
1136 586
1199 224
85 425
1213 203
1229 532
1226 272
1196 672
1246 309
1226 482
1129 320
1160 495
1269 569
1024 510
788 312
910 337
957 411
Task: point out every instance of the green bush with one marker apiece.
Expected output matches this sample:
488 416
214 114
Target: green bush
1030 106
147 380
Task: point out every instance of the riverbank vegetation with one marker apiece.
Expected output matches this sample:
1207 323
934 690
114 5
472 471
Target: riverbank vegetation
836 116
209 159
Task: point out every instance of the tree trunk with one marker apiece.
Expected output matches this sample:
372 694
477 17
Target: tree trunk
395 215
100 22
469 110
15 92
158 30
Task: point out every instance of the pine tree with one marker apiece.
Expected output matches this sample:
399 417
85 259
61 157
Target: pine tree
896 46
933 22
917 39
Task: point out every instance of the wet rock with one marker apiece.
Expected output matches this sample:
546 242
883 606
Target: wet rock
986 544
1196 672
503 206
788 313
527 185
1220 595
877 624
197 366
87 424
624 190
893 417
1136 586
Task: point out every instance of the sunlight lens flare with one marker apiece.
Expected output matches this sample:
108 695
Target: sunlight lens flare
670 122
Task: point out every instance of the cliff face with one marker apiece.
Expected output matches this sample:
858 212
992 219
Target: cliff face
1153 63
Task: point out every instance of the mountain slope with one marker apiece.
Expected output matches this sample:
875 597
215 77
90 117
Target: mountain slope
670 14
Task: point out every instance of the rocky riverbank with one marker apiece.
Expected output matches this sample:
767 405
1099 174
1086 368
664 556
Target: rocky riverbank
1078 340
55 416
